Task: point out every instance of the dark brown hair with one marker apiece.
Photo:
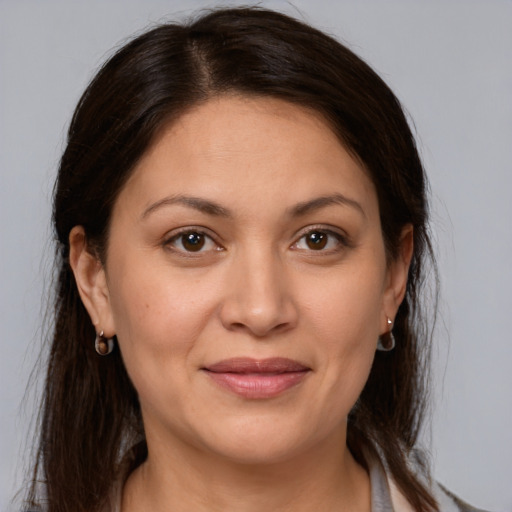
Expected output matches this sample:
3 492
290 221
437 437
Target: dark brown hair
90 411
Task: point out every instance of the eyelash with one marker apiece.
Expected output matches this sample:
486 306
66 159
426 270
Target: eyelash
179 237
341 241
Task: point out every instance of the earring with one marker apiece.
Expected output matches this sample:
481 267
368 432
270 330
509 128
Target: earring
103 346
387 340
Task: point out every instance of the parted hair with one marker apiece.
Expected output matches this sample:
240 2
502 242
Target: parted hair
90 414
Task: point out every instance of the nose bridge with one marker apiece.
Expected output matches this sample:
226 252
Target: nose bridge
261 298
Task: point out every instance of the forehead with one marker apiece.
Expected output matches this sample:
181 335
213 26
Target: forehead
245 150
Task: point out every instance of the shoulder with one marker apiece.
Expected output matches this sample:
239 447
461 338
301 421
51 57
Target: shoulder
446 499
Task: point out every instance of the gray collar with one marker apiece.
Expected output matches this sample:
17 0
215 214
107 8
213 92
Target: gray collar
381 497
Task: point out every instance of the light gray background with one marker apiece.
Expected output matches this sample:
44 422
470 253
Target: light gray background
450 62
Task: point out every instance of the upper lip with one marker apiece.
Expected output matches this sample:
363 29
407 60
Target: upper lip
249 365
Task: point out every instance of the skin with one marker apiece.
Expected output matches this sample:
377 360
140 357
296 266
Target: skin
257 288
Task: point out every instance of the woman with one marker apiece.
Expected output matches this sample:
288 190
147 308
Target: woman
242 241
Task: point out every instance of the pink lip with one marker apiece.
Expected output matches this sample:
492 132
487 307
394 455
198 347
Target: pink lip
257 379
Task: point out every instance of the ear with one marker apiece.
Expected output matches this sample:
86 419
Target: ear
91 282
397 273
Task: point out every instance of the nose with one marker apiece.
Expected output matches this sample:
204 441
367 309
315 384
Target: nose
259 298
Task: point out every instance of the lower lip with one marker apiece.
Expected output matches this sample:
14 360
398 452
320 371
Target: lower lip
257 385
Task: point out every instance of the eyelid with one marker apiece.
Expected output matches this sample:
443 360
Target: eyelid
201 230
338 233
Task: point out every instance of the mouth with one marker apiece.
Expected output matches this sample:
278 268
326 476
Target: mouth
257 379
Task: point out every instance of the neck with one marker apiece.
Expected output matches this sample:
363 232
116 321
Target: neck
326 478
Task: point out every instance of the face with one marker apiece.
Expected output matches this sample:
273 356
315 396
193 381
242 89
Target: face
246 281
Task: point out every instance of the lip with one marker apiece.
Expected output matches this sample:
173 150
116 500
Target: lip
257 378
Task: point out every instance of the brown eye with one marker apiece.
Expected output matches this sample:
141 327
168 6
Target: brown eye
321 241
316 240
193 241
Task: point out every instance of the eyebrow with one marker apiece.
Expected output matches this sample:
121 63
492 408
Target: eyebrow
318 203
197 203
211 208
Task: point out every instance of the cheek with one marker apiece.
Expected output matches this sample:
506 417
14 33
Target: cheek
347 308
158 320
157 314
344 318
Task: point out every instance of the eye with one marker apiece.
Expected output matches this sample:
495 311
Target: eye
192 241
319 240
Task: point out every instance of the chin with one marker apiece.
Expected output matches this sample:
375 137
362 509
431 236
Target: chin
258 453
262 441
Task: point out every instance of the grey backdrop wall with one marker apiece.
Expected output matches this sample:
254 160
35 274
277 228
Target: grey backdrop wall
450 64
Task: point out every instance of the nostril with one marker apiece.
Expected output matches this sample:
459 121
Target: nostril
259 331
281 327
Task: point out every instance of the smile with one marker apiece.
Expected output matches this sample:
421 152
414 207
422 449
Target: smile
257 379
